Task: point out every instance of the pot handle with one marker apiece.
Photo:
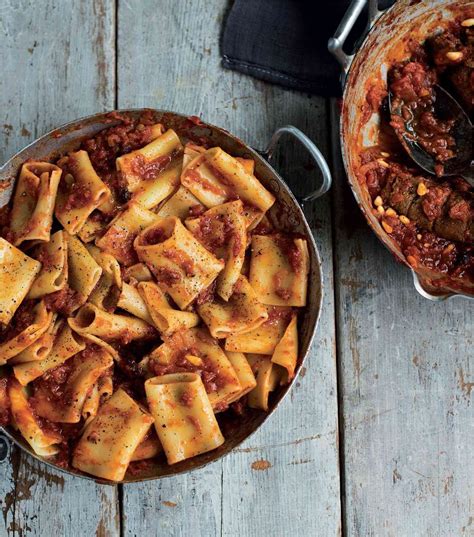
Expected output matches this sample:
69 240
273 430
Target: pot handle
336 43
5 447
315 153
421 289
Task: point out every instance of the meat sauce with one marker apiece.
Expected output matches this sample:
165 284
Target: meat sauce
115 141
150 169
63 301
411 85
291 251
431 218
216 231
212 378
24 317
78 196
108 144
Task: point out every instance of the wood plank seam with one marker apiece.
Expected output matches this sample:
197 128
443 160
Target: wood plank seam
335 156
120 491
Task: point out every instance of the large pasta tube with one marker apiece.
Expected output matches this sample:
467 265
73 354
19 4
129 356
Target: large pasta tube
119 237
106 293
184 419
40 322
151 193
90 338
286 351
164 317
111 438
279 269
242 313
54 266
84 271
33 202
148 163
17 274
40 348
182 266
191 151
138 272
66 344
179 204
92 320
214 177
244 373
149 448
196 350
91 404
222 230
85 369
105 387
268 377
131 301
264 338
80 191
92 229
44 443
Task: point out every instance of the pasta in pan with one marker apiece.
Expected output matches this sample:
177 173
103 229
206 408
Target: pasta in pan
145 294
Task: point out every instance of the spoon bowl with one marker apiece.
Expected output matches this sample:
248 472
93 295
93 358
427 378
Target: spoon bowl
446 108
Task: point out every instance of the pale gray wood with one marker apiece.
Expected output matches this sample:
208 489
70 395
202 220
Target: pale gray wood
173 62
8 473
406 369
57 65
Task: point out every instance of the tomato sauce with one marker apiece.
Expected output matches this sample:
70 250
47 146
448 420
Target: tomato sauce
165 275
113 142
182 260
149 169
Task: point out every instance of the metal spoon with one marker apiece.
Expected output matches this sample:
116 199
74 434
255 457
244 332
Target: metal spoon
446 107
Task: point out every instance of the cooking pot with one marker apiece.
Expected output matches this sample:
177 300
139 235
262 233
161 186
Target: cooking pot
287 214
388 32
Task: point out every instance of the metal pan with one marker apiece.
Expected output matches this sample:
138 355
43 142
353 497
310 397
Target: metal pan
383 45
287 214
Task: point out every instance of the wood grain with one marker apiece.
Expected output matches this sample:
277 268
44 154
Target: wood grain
286 476
405 365
57 65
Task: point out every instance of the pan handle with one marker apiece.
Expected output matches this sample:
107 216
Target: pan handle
336 43
315 153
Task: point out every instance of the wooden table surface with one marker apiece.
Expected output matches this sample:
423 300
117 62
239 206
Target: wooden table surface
377 436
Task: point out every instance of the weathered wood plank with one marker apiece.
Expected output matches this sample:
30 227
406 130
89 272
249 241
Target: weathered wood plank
406 374
8 474
57 65
299 492
173 63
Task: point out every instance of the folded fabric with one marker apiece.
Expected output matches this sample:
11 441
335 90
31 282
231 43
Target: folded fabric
285 42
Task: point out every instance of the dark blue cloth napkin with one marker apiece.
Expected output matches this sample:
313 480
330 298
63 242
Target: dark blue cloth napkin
285 42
